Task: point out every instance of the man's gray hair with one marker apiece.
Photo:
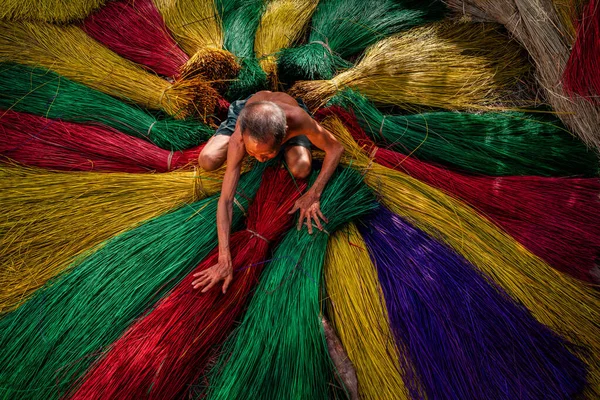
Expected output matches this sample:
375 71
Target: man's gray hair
263 120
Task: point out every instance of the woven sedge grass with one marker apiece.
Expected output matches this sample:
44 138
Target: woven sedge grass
343 28
163 353
454 66
51 340
197 27
49 218
136 31
279 350
460 336
536 25
68 51
569 241
40 91
283 23
355 306
568 306
55 144
498 144
59 11
240 22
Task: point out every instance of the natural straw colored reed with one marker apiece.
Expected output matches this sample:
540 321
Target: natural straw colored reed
48 218
283 22
357 311
455 66
59 11
68 51
563 303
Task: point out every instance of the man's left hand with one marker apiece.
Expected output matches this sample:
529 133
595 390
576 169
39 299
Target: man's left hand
310 209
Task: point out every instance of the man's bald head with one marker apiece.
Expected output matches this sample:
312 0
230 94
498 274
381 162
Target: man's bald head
264 121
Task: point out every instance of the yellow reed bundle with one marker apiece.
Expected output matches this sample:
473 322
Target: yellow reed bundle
283 23
59 11
448 65
68 51
48 218
197 28
568 306
357 311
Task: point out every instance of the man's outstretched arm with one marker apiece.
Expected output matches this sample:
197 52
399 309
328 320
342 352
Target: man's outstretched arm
223 270
309 204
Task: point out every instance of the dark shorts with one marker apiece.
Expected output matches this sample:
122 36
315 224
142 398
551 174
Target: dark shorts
228 126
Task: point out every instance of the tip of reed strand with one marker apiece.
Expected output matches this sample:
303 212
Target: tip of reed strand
269 65
190 97
315 94
217 66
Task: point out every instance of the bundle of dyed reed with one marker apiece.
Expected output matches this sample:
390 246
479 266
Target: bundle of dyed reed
240 22
537 26
499 144
279 350
581 72
42 92
52 217
164 353
55 144
197 27
283 23
557 300
343 28
48 10
65 325
460 336
568 241
448 65
68 51
135 30
359 316
569 11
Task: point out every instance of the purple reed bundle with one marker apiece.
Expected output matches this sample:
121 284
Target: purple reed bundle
459 335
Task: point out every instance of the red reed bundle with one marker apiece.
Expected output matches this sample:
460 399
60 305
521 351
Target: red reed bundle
556 218
582 73
135 30
55 144
164 353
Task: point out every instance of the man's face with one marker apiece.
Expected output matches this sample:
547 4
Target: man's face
262 151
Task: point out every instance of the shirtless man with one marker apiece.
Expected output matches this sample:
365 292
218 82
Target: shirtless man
269 122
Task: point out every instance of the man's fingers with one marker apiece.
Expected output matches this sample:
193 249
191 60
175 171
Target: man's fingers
201 273
227 282
200 282
210 285
294 209
300 220
309 223
322 216
317 220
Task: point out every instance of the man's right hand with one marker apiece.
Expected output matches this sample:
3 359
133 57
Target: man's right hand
221 271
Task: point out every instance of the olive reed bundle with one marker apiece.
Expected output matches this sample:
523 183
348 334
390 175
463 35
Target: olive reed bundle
51 340
59 11
536 25
343 28
356 309
561 302
40 91
498 144
279 350
68 51
54 144
240 22
135 30
283 23
447 65
49 218
197 27
162 354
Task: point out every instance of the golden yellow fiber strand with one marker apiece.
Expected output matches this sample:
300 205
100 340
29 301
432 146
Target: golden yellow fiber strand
48 10
449 65
283 22
568 306
568 11
357 311
68 51
198 29
48 218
